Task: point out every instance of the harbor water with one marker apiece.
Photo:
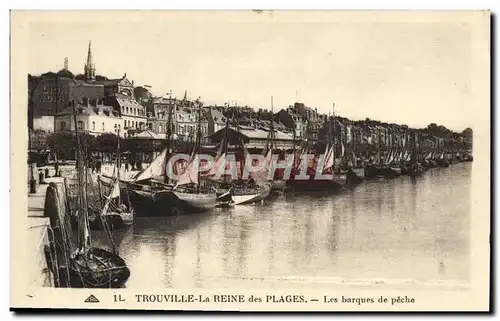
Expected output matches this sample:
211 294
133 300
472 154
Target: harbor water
402 230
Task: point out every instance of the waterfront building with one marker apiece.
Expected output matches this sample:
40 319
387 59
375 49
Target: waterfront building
184 117
51 93
92 117
293 121
253 138
133 114
215 120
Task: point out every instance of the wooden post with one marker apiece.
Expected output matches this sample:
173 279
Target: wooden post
54 209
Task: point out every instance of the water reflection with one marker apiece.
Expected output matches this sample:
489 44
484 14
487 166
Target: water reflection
403 228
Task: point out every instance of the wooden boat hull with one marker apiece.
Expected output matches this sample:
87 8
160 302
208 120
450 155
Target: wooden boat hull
382 172
340 179
108 181
251 198
355 175
394 171
245 199
197 201
442 163
372 171
414 172
114 277
169 203
278 186
312 185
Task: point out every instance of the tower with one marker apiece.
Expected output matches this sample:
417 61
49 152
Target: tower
89 66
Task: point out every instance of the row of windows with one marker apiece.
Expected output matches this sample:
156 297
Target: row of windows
179 129
133 111
81 126
133 124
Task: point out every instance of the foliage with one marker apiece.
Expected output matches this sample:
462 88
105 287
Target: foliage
108 142
141 94
65 144
467 133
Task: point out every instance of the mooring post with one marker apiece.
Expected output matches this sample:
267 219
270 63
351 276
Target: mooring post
55 209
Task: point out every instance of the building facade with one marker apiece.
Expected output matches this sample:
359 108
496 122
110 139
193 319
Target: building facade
215 120
92 117
293 121
133 114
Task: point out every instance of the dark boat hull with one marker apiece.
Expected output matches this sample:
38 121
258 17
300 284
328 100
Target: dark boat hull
415 170
114 277
442 163
373 171
355 175
312 185
163 204
382 172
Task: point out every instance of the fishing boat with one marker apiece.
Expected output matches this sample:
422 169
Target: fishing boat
92 267
415 168
154 194
355 173
119 212
236 190
333 177
277 183
376 167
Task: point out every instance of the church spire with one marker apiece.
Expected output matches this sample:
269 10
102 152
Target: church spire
89 66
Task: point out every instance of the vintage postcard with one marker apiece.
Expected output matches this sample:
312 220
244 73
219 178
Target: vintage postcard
250 160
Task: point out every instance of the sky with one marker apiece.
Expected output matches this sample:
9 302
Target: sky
407 71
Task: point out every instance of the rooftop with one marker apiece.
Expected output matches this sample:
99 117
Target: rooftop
85 110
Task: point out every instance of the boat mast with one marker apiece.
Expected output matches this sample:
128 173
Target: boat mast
168 137
273 134
118 164
83 225
334 138
198 137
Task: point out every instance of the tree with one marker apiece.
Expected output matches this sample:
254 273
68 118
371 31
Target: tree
64 144
141 94
107 142
467 133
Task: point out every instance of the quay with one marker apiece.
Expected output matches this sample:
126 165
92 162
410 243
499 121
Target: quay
38 238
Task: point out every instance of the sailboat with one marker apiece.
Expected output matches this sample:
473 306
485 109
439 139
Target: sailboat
415 168
237 192
92 267
119 213
355 174
302 165
154 194
278 184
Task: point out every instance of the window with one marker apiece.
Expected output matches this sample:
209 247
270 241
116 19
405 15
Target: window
127 110
93 125
80 125
103 127
63 125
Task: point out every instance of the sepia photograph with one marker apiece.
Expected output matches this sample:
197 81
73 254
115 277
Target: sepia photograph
250 160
